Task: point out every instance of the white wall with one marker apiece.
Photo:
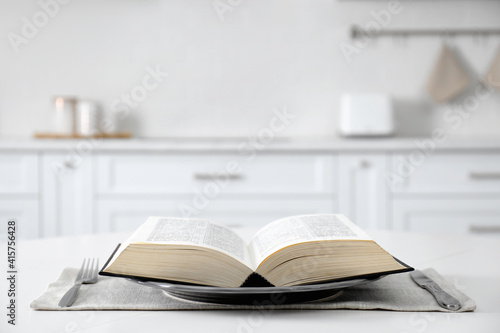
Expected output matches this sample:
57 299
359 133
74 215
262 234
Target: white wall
226 76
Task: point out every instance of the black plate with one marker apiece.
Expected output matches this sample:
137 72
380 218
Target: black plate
255 295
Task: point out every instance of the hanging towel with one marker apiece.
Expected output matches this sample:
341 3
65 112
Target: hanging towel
448 77
492 77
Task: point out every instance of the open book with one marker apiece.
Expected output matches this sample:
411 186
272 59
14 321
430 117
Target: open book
291 251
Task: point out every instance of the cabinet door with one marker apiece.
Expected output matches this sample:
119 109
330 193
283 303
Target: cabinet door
18 173
25 212
127 215
19 193
66 196
452 216
362 189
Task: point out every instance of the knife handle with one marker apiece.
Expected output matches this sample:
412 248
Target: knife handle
443 298
70 296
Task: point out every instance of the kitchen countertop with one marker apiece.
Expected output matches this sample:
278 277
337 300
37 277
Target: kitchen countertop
245 144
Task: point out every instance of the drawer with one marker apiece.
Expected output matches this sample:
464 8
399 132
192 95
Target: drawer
214 174
448 216
447 173
127 215
18 173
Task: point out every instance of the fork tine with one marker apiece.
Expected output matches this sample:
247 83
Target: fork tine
96 270
82 269
86 275
90 268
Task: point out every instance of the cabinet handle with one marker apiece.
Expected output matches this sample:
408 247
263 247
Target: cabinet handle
69 164
484 229
484 175
217 175
364 164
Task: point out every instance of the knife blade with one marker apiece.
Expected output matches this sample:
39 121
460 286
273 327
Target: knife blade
444 299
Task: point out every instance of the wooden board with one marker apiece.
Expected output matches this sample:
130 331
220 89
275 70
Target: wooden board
118 135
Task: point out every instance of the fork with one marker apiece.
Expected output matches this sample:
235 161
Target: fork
86 275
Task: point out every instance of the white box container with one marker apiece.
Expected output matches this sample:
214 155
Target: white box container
366 115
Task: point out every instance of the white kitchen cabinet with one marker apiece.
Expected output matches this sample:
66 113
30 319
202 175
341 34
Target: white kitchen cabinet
119 183
448 193
25 212
448 216
18 173
67 196
448 173
132 186
362 189
19 193
127 215
181 173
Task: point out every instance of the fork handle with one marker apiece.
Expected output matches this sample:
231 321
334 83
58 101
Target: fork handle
70 296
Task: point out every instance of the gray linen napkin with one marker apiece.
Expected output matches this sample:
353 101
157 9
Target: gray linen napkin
394 292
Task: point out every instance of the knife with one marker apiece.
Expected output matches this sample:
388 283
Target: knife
444 299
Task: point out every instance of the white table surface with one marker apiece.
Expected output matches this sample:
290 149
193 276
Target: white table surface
470 262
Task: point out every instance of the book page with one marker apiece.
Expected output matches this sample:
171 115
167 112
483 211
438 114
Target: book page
168 230
299 229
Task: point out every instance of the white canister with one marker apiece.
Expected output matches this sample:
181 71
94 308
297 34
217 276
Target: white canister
64 120
86 117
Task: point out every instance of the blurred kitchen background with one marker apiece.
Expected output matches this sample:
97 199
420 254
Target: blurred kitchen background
246 111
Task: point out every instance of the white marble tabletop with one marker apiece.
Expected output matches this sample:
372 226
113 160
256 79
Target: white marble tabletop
471 263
